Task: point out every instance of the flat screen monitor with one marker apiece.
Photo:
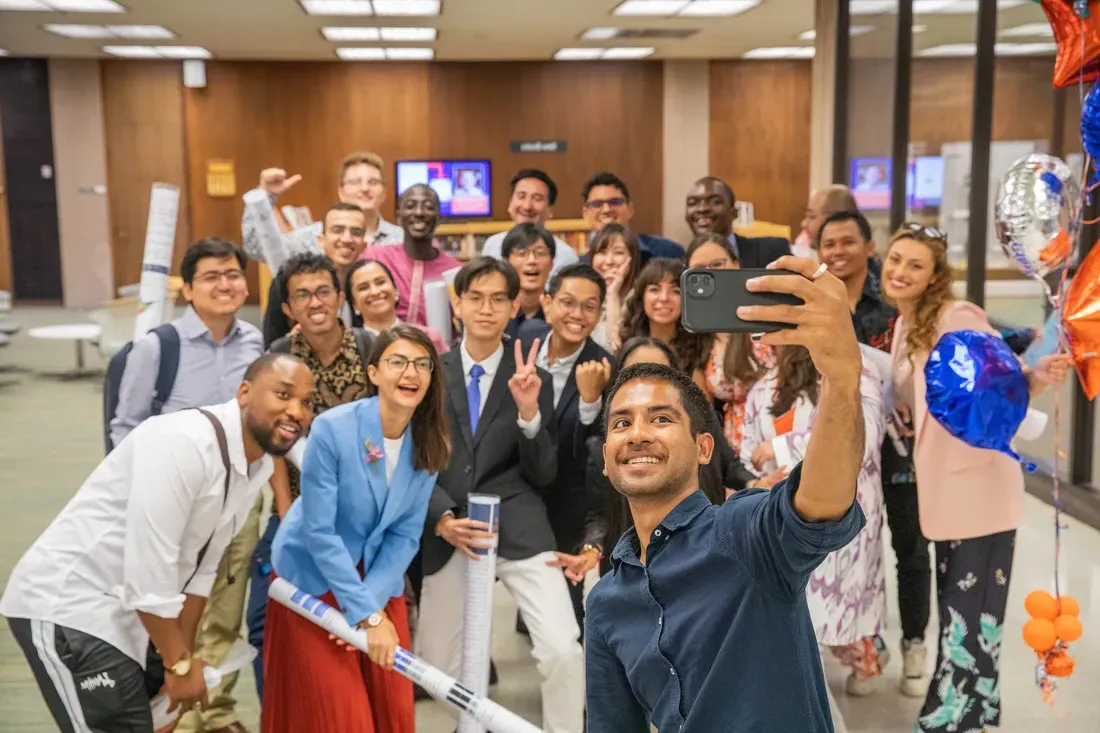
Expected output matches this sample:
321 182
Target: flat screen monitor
464 186
869 179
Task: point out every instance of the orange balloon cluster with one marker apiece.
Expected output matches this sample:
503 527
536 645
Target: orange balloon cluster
1081 320
1054 624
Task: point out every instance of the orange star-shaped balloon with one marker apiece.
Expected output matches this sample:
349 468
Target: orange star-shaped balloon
1078 42
1081 321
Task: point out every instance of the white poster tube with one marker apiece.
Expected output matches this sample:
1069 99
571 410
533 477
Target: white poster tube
477 623
436 683
160 240
437 306
258 204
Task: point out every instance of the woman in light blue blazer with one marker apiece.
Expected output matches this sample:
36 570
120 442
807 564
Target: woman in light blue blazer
368 471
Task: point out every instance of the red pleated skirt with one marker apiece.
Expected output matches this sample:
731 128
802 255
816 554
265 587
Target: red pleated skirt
311 685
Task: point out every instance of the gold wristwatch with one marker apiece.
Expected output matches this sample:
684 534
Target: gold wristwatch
182 668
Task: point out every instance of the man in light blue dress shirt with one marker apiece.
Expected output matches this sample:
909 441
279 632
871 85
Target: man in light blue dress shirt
534 194
216 348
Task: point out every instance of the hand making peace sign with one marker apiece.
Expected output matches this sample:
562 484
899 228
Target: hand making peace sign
526 383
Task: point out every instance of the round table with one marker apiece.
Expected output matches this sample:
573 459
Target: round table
76 332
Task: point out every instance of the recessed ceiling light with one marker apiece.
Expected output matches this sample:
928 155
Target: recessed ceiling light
1028 29
650 7
1025 49
337 7
410 54
855 30
600 34
78 31
23 5
158 52
780 52
133 52
628 52
406 7
872 7
351 34
578 54
957 7
86 6
140 31
361 54
409 34
715 8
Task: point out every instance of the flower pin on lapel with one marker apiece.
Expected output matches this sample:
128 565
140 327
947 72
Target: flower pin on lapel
374 453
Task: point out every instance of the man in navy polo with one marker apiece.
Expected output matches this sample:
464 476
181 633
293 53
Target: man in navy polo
702 625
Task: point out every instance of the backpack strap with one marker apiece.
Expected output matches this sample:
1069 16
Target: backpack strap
169 365
223 445
363 342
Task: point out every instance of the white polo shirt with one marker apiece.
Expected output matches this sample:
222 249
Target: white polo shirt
129 539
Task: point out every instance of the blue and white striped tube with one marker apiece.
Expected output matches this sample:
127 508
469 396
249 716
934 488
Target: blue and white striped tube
439 685
477 621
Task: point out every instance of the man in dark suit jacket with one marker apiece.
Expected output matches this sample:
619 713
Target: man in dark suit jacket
501 409
710 208
579 368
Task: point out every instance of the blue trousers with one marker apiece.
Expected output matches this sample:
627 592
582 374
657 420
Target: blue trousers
257 599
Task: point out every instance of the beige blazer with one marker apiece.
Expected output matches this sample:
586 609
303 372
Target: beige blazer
963 492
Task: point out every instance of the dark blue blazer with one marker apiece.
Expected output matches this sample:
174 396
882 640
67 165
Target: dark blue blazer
565 503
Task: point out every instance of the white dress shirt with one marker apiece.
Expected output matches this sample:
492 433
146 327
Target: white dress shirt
392 451
560 371
491 364
564 254
129 539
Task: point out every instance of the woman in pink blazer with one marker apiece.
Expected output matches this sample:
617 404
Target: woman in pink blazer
970 499
372 293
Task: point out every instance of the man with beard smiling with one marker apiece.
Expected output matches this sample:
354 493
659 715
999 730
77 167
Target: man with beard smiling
700 595
417 260
530 249
341 239
710 208
134 555
534 194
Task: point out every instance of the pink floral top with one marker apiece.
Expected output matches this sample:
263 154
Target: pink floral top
733 392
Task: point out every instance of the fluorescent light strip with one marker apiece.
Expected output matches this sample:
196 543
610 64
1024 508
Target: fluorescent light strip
336 7
1000 49
409 34
406 7
780 52
855 30
958 7
600 34
1028 29
651 7
85 6
108 31
718 8
158 52
382 54
608 54
351 34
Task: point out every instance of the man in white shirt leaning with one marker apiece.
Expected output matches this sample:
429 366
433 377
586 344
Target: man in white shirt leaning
133 555
534 194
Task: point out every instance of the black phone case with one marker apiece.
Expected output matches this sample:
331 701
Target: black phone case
717 312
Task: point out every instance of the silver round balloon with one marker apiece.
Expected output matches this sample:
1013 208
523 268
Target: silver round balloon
1038 214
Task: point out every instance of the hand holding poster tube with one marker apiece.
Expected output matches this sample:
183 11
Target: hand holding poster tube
160 239
477 626
258 205
439 685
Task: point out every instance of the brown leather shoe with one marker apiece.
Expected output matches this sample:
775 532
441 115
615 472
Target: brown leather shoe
233 728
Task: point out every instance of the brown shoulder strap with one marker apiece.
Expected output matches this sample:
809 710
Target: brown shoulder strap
223 445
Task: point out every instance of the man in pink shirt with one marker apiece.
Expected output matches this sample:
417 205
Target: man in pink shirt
416 261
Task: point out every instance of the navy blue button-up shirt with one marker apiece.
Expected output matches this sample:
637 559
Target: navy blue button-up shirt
713 633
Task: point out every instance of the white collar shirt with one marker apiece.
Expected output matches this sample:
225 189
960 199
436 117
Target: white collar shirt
130 538
560 371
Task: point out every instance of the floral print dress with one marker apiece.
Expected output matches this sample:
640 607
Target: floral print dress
846 594
733 392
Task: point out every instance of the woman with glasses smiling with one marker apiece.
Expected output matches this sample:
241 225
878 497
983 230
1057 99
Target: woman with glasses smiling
369 471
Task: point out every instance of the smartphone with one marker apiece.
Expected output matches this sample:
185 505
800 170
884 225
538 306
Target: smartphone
710 299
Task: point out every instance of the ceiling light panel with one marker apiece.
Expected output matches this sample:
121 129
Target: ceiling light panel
361 54
780 52
406 7
183 52
141 31
1028 29
855 30
608 54
600 34
409 34
133 52
158 52
351 34
336 7
651 7
578 54
717 8
873 7
108 31
23 5
410 54
628 52
64 6
958 7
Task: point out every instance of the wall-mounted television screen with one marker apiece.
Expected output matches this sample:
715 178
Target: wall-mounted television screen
464 186
869 179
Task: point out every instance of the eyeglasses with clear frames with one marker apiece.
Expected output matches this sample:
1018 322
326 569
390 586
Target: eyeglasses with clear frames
539 253
325 293
569 305
498 301
399 363
233 277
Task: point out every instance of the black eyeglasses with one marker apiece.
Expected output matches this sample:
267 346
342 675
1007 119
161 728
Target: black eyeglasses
921 230
400 363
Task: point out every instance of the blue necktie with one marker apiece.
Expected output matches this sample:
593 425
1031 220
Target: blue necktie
473 395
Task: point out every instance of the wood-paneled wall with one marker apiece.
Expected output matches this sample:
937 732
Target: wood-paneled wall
143 119
760 134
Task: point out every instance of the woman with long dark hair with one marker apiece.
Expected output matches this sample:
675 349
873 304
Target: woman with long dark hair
614 253
847 592
970 499
368 473
654 310
371 292
736 362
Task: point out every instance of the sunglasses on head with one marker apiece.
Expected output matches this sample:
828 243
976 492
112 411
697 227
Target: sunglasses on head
923 231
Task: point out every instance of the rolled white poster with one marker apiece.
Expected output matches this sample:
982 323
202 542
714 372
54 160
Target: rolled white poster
477 622
436 683
160 240
258 204
437 306
239 656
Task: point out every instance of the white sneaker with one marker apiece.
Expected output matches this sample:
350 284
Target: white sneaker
914 679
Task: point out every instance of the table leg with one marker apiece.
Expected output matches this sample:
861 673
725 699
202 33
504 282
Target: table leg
80 355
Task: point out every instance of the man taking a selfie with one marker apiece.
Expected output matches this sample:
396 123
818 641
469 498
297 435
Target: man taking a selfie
702 594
